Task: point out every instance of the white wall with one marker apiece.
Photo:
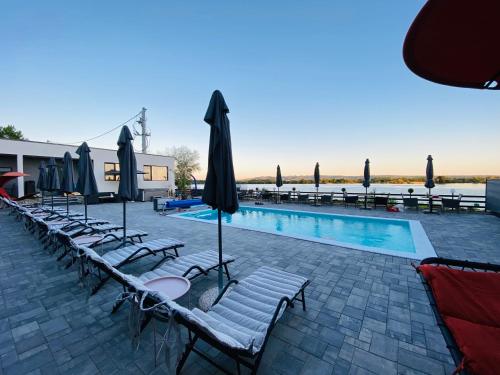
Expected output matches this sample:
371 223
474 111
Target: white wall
98 155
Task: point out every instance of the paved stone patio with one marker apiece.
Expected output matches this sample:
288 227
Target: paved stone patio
367 313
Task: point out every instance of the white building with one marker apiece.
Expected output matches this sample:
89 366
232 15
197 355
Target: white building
25 156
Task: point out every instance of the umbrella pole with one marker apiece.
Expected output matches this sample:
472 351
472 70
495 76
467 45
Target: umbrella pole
85 204
221 280
124 222
42 197
52 200
430 201
366 196
67 206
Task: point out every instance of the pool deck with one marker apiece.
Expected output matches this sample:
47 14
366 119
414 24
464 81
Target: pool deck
367 313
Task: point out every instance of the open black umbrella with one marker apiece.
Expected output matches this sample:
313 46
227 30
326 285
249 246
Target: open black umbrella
86 184
68 179
366 179
220 184
127 189
54 183
316 182
452 42
42 182
279 182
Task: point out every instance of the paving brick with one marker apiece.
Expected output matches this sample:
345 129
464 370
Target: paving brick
347 287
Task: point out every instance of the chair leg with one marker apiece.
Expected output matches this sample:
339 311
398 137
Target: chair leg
227 271
303 300
117 305
189 348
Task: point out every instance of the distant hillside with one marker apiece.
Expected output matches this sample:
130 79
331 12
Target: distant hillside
381 179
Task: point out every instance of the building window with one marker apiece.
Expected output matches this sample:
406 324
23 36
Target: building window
5 169
111 171
155 173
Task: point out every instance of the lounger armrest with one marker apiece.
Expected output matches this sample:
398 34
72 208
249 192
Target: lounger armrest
221 294
462 264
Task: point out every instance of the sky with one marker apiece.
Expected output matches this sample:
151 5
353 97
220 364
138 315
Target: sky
305 82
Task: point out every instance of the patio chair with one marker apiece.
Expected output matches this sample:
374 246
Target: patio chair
303 198
350 199
410 202
381 201
285 197
453 204
464 298
326 199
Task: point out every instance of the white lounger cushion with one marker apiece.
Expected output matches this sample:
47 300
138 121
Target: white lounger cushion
245 313
178 266
115 257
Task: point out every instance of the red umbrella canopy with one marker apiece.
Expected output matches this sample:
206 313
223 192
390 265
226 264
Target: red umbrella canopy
455 42
6 177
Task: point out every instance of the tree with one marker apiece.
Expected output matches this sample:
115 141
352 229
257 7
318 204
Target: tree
10 132
186 163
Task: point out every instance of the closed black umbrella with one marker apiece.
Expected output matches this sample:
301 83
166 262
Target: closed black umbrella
42 182
54 183
86 184
366 179
127 189
316 182
279 182
220 184
429 179
68 179
429 174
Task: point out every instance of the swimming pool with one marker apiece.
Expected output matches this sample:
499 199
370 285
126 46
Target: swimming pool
405 238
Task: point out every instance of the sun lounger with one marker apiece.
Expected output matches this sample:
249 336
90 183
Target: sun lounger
93 240
126 255
70 244
464 298
190 266
242 318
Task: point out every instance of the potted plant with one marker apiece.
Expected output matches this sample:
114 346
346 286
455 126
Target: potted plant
410 191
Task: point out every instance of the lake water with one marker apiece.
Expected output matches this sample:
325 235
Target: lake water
465 189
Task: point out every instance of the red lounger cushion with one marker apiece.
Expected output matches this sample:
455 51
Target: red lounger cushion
467 295
469 303
479 344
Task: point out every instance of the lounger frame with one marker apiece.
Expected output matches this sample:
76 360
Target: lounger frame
241 357
456 264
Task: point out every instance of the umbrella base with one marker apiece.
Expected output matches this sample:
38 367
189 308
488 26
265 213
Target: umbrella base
208 297
365 208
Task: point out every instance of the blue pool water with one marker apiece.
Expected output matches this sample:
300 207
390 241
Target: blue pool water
364 233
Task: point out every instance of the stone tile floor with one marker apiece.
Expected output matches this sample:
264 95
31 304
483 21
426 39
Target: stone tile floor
367 313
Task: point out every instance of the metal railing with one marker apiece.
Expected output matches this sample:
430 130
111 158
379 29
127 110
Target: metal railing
467 201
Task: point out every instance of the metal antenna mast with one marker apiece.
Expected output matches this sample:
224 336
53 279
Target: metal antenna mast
144 133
